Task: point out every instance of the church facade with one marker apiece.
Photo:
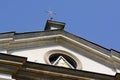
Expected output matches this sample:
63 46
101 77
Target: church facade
55 54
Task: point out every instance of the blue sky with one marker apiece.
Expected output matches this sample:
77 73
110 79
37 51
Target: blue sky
95 20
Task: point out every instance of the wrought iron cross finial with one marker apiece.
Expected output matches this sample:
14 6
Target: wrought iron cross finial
51 13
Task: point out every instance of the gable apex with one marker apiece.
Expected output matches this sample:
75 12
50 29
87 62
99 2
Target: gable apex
54 25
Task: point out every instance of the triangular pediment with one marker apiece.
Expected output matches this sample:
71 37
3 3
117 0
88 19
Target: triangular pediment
91 51
57 53
11 40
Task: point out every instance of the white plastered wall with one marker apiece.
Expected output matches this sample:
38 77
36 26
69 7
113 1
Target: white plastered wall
38 55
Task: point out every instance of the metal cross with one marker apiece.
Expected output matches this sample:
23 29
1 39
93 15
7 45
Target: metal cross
51 13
